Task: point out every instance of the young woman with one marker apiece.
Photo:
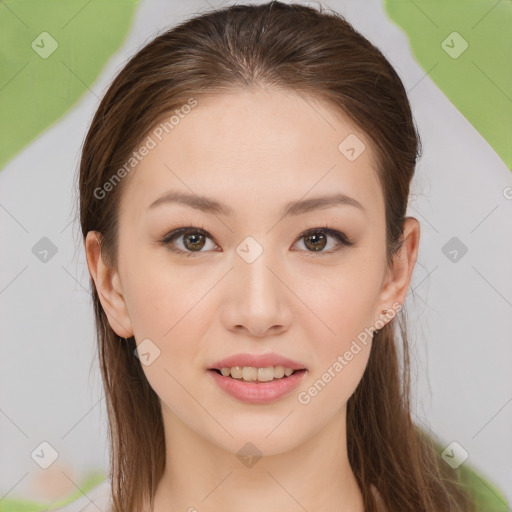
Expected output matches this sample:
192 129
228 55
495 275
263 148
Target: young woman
243 195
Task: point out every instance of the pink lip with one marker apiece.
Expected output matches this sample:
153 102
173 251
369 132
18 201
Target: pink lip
257 361
258 392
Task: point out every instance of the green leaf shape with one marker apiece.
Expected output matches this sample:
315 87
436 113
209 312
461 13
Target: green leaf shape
478 78
51 52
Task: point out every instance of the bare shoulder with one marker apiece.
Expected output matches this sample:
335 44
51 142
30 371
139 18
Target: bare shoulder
96 499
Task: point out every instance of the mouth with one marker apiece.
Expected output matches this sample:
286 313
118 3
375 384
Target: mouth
257 375
261 385
257 367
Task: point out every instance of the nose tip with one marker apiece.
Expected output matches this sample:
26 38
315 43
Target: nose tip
256 306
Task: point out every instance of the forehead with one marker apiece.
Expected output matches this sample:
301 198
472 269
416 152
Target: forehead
256 145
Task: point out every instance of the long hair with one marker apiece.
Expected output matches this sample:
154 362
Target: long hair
314 53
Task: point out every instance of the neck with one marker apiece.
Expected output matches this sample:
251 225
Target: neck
315 475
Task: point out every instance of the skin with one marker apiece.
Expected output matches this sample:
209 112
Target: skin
253 150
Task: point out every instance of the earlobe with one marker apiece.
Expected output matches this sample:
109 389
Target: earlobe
108 286
397 284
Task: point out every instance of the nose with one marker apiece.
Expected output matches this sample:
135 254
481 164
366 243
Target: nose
256 298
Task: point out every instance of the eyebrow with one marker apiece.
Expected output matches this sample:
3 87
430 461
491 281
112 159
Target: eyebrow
208 205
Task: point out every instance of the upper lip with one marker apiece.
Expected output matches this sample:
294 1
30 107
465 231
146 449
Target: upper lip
257 361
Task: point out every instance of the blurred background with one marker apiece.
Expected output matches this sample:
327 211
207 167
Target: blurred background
57 59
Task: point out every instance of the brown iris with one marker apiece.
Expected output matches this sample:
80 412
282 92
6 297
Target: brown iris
316 238
197 241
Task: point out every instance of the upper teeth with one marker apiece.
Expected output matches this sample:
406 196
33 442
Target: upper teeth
250 373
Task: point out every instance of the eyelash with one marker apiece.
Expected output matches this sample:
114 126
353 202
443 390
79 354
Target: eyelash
340 237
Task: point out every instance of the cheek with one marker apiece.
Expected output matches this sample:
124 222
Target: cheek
341 342
341 300
169 306
162 298
166 308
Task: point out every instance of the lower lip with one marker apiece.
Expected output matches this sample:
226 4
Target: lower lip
258 392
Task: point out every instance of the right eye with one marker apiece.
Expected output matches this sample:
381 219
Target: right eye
193 240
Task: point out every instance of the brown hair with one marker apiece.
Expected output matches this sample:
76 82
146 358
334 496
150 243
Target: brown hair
316 54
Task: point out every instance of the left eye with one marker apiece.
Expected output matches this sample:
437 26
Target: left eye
317 239
194 240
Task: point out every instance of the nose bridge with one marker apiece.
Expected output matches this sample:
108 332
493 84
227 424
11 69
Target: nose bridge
253 268
258 298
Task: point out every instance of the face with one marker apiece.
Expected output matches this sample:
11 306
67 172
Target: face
244 278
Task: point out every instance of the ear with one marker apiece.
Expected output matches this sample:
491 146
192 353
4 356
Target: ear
108 286
396 283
